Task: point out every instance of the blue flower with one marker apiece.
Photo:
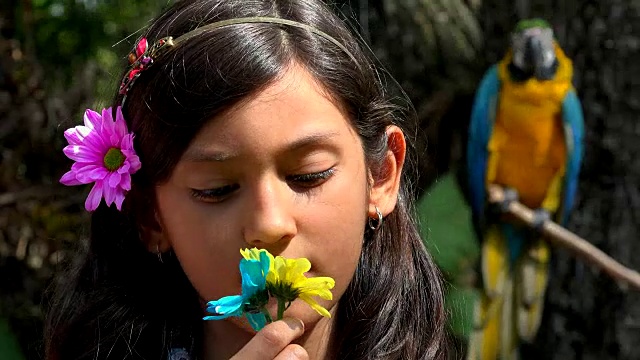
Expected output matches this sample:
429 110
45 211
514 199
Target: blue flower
253 298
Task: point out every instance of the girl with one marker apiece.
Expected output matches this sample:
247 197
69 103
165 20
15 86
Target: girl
257 124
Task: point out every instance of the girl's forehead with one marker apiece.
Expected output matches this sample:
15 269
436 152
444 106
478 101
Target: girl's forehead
294 80
295 94
293 108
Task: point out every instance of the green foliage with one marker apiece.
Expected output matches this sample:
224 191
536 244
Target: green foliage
9 349
446 227
55 56
67 34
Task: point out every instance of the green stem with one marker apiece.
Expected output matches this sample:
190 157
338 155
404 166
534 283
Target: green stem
267 315
280 309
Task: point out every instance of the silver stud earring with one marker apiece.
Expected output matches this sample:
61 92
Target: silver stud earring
159 253
375 224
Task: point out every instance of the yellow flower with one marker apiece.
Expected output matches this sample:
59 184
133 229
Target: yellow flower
287 281
254 254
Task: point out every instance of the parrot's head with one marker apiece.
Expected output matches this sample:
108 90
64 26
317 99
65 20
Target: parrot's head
532 46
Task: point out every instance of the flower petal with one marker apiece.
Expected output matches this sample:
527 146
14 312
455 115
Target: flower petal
216 317
290 270
125 182
120 124
119 198
114 179
91 172
318 286
315 306
134 162
82 153
92 120
257 321
109 192
322 293
124 168
266 262
298 266
226 306
73 136
95 142
252 277
249 253
108 132
95 195
106 115
69 179
257 254
127 143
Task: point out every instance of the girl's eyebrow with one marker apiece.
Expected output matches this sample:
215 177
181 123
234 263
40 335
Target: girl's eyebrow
309 140
204 155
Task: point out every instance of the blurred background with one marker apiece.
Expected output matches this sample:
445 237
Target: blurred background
58 57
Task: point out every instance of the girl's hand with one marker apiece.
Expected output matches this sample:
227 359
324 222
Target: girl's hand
273 342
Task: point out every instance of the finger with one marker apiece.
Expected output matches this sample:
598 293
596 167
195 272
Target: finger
271 340
293 352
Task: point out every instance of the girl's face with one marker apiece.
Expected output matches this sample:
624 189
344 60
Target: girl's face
284 171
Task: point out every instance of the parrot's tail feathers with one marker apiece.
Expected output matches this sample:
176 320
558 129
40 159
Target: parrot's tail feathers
484 342
508 335
533 275
488 340
494 262
494 336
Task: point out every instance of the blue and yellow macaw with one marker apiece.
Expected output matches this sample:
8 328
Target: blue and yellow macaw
525 135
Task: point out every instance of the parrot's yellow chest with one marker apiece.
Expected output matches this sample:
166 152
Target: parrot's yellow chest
527 149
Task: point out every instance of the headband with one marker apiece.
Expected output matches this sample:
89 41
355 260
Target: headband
144 56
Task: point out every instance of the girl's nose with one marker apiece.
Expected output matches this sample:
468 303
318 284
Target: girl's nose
269 214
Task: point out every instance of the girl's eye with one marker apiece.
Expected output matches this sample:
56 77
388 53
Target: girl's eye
312 179
214 195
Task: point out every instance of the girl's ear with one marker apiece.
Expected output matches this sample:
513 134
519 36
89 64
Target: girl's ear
152 235
386 183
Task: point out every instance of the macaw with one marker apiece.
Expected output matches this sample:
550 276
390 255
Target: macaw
525 135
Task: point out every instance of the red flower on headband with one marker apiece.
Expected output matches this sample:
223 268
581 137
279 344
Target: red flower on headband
142 46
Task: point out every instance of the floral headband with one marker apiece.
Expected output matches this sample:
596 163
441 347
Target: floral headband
103 148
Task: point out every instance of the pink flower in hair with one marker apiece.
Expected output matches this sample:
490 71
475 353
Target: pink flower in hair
103 153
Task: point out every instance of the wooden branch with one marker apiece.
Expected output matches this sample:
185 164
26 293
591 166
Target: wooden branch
558 235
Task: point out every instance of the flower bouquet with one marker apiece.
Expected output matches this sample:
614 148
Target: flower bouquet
265 276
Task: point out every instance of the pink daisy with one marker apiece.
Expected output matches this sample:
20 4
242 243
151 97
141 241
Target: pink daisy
103 153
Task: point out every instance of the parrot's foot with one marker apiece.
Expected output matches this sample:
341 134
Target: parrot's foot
510 195
540 217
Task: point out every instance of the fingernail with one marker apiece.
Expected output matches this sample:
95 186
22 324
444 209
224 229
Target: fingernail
300 353
294 324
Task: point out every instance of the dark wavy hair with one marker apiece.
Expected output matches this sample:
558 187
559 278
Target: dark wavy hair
120 302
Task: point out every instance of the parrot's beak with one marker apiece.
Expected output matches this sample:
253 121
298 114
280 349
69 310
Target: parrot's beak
540 57
536 51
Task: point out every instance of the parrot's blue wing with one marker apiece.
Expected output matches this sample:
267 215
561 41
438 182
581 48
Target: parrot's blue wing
574 130
482 119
